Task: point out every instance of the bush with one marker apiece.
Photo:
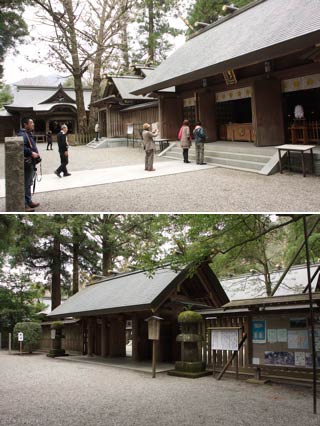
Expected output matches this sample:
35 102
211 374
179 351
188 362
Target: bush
31 335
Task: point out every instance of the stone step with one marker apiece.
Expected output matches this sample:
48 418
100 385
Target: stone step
254 165
226 154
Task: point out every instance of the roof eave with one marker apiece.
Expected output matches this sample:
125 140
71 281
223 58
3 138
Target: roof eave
267 53
119 310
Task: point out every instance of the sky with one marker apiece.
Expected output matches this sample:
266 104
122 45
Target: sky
17 67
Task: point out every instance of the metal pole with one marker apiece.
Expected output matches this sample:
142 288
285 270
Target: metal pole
154 342
313 345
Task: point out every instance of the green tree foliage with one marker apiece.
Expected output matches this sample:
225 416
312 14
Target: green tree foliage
31 335
5 96
19 299
154 29
13 28
209 11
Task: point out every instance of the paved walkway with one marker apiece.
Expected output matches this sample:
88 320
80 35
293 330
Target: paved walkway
124 362
83 179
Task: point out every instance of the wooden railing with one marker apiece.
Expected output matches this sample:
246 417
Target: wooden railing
302 131
83 138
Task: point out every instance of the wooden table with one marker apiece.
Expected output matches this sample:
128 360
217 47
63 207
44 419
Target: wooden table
296 148
163 143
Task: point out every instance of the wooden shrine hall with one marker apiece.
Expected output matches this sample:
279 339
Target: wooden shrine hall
110 312
245 75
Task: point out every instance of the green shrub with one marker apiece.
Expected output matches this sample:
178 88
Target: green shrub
31 335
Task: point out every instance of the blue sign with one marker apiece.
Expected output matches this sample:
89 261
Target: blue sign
259 331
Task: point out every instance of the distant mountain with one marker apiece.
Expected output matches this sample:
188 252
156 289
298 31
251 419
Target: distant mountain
52 80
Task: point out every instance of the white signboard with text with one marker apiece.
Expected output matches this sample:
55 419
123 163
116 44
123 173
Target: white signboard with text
225 339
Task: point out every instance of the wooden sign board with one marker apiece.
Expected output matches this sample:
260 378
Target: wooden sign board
20 337
53 334
225 339
130 129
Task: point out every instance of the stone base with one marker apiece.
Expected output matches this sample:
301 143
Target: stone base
57 352
189 375
190 367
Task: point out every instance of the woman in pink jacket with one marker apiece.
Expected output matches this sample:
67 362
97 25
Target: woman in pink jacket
185 140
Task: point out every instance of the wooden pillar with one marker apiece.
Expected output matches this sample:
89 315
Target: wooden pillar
14 174
135 338
108 122
207 114
170 116
118 337
267 112
104 337
90 336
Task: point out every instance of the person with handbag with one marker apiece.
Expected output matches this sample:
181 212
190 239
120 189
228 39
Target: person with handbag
63 151
200 138
31 158
185 140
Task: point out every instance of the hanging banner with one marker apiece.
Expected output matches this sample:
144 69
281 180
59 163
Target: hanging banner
234 95
301 83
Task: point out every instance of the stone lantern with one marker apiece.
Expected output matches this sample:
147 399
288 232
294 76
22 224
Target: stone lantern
191 364
56 337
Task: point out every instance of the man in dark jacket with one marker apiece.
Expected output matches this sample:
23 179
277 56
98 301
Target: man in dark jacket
63 151
30 155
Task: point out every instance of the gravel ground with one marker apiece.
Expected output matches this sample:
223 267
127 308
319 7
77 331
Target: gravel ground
36 390
213 190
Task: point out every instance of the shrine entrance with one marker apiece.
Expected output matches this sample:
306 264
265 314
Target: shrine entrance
307 129
234 115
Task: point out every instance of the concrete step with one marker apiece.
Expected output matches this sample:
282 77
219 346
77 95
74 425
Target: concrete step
256 158
257 166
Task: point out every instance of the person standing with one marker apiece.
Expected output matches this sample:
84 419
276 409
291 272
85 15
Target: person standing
149 146
63 151
200 138
185 140
31 155
49 140
97 130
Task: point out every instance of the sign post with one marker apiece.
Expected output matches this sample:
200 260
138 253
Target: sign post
154 335
20 340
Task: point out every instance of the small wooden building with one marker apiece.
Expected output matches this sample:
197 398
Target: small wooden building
119 109
105 311
48 106
244 75
278 335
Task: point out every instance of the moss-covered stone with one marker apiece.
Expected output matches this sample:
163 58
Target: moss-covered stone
189 317
57 325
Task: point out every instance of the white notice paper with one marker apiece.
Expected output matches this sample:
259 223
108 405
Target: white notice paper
300 359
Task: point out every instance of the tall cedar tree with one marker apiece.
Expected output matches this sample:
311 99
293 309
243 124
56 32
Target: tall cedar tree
154 29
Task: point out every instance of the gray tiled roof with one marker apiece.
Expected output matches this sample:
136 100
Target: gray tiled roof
33 96
126 85
117 294
239 41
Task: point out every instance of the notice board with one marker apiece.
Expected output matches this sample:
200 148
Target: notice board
225 339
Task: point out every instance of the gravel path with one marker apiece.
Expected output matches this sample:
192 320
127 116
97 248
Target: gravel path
36 390
214 190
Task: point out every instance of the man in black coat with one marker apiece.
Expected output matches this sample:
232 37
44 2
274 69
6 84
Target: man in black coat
63 151
31 155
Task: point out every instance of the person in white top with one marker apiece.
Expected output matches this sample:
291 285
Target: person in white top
97 129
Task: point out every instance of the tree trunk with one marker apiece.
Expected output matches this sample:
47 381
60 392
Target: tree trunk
75 271
151 52
56 271
77 71
106 258
125 47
